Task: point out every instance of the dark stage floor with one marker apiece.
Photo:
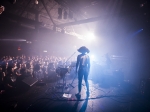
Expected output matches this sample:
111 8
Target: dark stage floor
105 96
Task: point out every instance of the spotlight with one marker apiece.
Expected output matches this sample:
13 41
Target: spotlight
36 2
90 36
92 56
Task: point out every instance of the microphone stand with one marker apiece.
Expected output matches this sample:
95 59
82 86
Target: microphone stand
69 58
75 75
73 81
64 80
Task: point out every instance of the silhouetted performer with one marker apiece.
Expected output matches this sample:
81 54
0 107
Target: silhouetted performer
83 68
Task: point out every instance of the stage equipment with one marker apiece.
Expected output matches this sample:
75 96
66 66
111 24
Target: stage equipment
61 73
73 64
30 81
73 81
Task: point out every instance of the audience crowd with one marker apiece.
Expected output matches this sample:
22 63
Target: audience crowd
14 69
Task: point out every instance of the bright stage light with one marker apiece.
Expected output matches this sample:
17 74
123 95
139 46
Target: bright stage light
92 56
45 51
90 36
36 2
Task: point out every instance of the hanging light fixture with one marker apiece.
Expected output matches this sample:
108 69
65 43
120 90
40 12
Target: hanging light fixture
36 2
1 9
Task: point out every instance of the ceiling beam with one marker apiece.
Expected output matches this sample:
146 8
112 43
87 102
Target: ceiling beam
82 21
48 12
25 7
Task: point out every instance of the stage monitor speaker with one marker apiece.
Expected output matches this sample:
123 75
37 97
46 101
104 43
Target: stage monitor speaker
30 81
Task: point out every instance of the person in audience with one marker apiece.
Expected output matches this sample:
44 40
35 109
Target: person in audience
10 80
2 88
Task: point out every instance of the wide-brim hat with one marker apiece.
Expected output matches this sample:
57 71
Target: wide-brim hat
83 49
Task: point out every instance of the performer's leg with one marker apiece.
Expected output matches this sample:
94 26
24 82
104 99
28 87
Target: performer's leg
86 81
80 76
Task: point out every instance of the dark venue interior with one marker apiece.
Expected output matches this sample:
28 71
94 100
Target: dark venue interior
39 46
